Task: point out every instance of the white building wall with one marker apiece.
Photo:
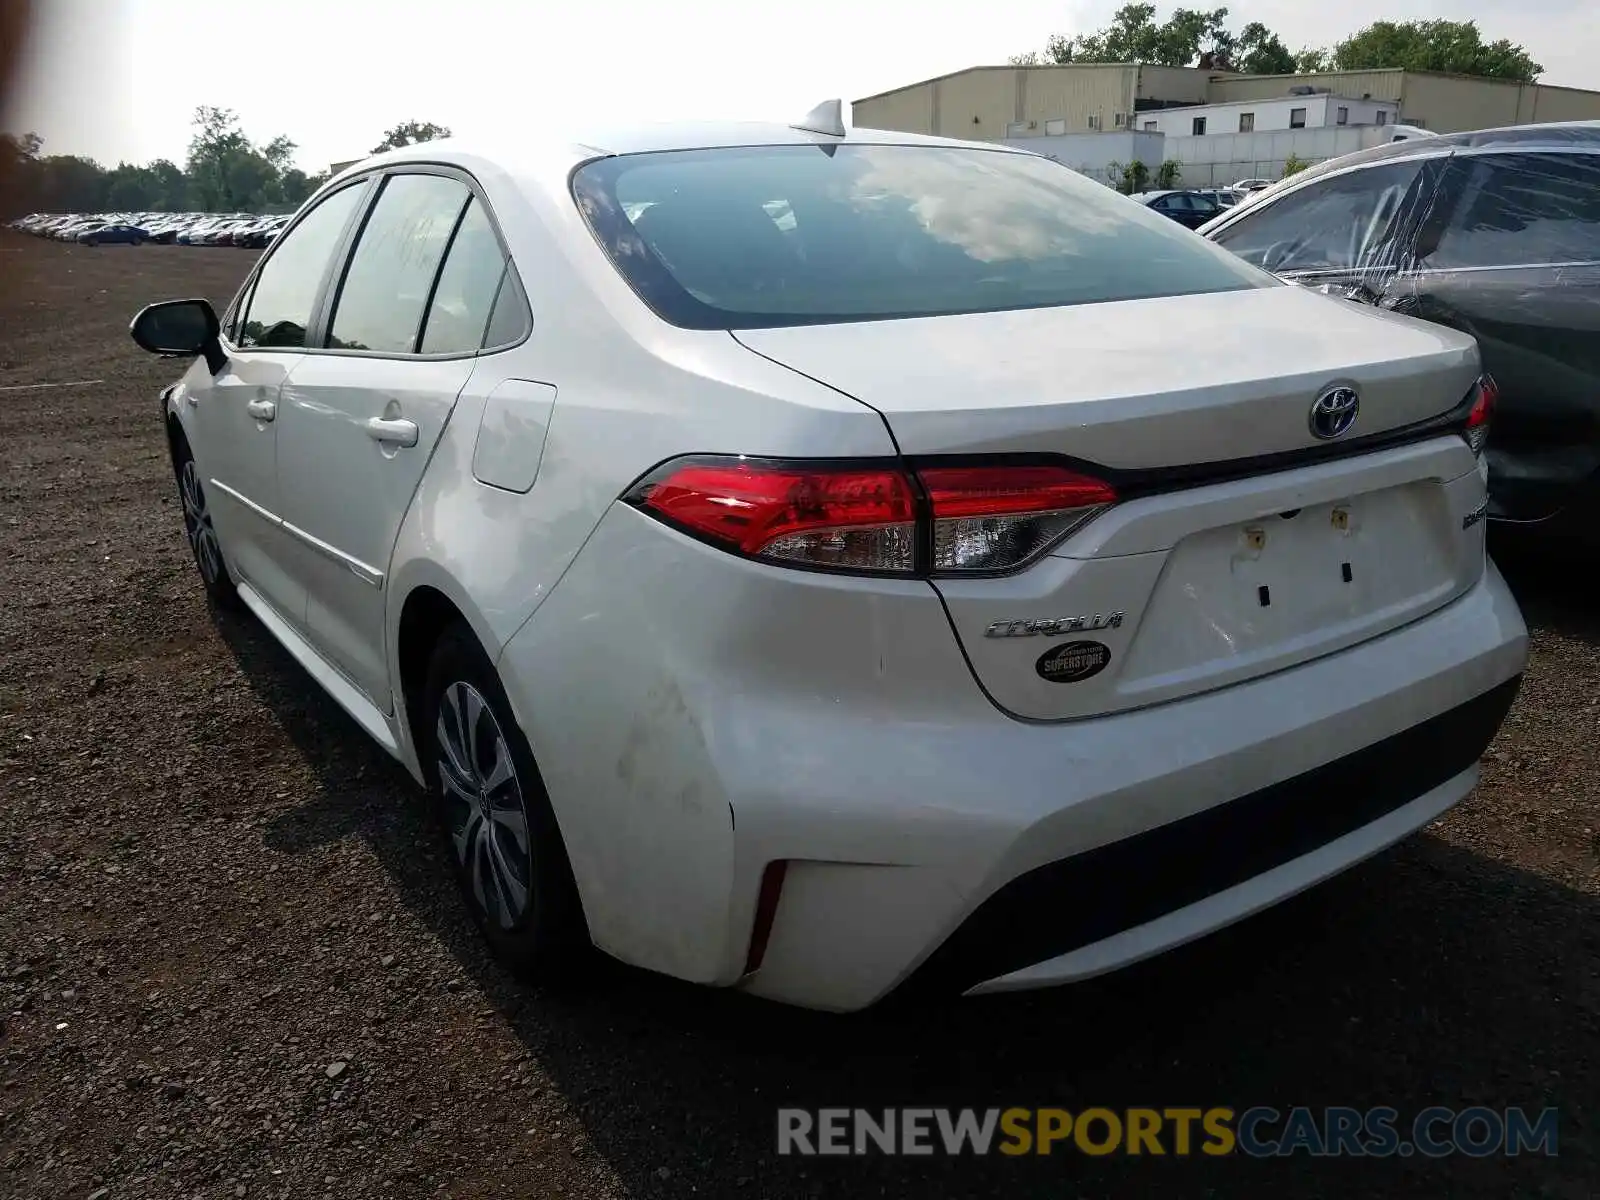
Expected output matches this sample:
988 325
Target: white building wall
1217 160
1269 116
1093 154
1214 160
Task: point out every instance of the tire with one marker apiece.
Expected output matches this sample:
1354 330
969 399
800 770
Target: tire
200 532
504 845
138 241
91 241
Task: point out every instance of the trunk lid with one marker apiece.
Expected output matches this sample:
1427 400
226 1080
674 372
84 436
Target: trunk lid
1178 590
1134 384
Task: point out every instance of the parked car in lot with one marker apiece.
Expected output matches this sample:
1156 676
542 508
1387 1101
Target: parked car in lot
204 231
1189 209
111 234
1496 233
199 229
1221 197
254 234
835 598
68 231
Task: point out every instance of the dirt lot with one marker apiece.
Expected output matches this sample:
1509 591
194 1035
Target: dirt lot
231 963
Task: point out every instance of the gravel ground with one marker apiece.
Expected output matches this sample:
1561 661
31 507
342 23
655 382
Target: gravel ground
231 963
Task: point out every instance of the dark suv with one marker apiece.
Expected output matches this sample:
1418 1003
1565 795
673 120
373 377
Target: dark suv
1495 232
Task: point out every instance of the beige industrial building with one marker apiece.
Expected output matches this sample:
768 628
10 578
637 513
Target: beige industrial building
993 103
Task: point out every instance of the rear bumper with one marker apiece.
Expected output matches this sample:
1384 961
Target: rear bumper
1091 912
1091 846
717 715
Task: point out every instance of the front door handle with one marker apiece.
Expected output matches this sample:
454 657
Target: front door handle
398 432
262 410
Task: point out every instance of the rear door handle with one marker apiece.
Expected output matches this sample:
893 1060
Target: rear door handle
262 410
399 432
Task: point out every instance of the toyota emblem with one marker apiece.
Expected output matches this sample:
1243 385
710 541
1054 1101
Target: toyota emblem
1334 412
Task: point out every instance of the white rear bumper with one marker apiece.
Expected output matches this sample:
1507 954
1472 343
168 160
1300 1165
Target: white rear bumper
902 800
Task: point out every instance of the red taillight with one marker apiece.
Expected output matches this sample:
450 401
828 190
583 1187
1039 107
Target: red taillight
845 518
946 520
1477 430
988 519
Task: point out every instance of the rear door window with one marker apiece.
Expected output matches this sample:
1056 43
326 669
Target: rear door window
1345 222
468 284
1523 210
391 275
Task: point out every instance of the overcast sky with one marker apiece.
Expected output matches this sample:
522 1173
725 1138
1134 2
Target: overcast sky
119 79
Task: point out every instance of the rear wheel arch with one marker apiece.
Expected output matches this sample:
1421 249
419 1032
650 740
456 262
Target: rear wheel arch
437 647
432 603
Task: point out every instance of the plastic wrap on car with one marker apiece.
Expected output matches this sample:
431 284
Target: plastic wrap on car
1480 245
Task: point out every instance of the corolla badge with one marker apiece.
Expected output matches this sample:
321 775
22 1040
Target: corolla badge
1053 626
1334 412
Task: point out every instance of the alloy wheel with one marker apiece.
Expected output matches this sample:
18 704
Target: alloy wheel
197 524
484 808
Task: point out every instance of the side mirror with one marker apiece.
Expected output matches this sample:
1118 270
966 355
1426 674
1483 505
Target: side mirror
180 328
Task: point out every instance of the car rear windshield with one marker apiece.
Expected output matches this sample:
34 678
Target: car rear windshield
757 237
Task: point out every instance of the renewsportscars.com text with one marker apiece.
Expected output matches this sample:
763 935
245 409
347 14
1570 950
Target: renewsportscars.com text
1257 1132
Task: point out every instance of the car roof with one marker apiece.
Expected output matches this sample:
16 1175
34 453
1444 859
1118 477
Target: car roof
1546 137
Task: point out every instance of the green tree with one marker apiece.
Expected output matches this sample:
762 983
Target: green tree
131 188
1259 51
171 184
20 148
1293 166
409 133
1453 46
295 187
227 172
1188 37
1058 49
1310 61
1169 174
214 151
1200 37
280 153
224 172
1135 36
67 183
1135 178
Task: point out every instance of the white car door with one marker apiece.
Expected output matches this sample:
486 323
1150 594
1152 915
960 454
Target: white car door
232 415
360 415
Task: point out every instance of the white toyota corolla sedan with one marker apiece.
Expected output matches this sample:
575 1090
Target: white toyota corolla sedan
840 563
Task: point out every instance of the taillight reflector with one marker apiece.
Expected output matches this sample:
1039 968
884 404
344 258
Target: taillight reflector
767 897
